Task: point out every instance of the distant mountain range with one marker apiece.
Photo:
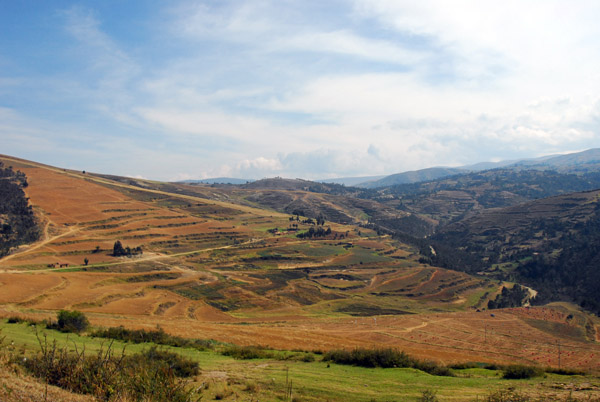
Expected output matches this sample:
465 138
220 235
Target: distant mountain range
353 181
570 163
579 162
218 180
414 176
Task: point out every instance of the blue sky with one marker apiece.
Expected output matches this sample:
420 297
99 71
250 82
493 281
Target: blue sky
310 89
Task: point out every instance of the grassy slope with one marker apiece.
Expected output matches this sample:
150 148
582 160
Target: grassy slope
265 379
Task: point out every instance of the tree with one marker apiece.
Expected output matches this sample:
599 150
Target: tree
85 261
72 321
118 249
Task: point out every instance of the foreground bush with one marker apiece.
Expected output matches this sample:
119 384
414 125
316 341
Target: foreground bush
181 366
149 376
384 358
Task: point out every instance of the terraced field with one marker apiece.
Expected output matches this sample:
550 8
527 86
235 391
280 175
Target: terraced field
213 266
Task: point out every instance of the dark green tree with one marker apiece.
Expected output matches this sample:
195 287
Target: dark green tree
72 321
118 249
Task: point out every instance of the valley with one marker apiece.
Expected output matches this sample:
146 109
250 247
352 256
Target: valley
226 263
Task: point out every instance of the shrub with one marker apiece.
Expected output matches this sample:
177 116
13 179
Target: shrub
71 321
385 358
432 368
463 366
140 377
428 396
181 366
75 372
492 366
15 320
515 372
564 371
247 352
159 337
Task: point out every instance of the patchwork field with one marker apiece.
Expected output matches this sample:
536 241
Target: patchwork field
211 266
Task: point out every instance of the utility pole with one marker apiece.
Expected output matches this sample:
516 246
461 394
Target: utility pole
558 343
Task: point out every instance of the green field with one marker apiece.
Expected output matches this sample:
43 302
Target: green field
223 377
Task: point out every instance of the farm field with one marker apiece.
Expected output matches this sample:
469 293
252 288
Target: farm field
212 266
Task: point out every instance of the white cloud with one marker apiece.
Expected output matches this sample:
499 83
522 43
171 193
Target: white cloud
258 167
266 28
317 89
348 43
545 45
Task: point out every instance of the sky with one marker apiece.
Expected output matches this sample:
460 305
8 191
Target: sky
302 89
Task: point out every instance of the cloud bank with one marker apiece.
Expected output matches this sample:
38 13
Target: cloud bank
298 89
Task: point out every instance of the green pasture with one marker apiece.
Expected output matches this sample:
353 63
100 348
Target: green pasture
267 379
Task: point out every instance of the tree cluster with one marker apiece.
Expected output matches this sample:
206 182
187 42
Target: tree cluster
313 233
509 298
120 251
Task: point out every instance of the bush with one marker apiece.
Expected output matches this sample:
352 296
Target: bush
181 366
432 368
159 337
149 376
516 372
247 352
428 396
493 366
19 320
71 321
384 358
467 365
564 371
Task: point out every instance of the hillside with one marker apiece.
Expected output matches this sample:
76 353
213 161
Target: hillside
17 221
208 259
578 162
244 266
549 244
458 197
415 176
